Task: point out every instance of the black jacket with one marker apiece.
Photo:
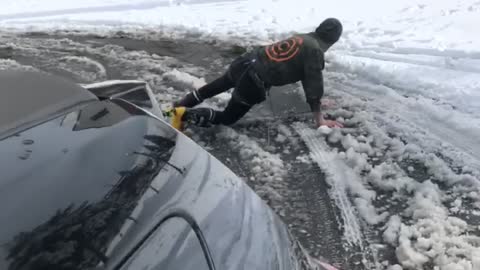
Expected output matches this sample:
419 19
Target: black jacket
299 58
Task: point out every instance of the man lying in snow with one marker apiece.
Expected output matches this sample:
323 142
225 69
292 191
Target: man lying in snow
299 58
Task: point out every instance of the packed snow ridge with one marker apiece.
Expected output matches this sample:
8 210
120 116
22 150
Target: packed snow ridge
424 204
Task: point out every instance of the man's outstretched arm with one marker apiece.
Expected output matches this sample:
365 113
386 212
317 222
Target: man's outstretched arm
313 87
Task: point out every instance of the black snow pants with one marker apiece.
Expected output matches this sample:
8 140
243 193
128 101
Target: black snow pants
249 90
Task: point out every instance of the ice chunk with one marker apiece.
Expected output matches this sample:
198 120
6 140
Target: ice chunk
390 235
280 138
324 130
186 80
395 267
368 212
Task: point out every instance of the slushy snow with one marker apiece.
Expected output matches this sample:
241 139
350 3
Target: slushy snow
267 168
405 79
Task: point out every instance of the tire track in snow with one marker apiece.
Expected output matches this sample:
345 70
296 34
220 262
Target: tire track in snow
300 196
336 173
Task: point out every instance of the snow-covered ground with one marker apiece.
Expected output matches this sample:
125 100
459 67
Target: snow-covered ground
405 80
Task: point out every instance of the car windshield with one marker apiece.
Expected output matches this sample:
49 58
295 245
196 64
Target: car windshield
27 97
71 187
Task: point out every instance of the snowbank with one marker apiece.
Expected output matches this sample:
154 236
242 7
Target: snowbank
399 185
405 24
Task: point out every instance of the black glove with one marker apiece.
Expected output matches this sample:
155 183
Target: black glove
192 99
201 117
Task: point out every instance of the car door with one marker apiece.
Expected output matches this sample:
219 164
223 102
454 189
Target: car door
173 245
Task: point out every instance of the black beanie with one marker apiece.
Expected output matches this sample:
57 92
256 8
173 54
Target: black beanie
330 30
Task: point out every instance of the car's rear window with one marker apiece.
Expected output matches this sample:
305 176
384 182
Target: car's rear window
27 97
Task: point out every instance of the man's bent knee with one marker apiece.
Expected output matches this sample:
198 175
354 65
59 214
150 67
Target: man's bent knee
228 120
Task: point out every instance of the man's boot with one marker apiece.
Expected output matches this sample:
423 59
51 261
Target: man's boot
192 99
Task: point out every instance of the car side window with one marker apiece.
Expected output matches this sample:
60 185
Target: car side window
174 245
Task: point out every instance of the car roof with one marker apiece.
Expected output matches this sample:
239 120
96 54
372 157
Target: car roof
30 96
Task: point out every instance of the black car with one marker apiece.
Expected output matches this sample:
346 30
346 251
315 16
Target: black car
92 177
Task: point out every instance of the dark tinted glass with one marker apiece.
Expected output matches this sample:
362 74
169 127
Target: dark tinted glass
138 97
106 91
27 97
67 186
